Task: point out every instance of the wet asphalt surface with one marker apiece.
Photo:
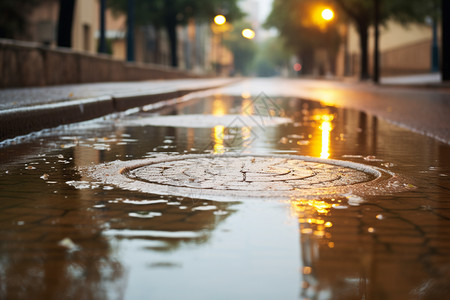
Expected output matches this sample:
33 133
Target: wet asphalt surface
65 235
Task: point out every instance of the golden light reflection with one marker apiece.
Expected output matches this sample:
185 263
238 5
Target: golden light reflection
311 214
246 133
218 139
246 95
218 107
325 127
247 107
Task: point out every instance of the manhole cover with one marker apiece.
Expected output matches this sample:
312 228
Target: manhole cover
223 177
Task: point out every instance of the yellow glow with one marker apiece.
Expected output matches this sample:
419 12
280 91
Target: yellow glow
246 136
246 95
218 108
220 19
311 213
248 33
247 107
327 14
218 139
325 127
314 206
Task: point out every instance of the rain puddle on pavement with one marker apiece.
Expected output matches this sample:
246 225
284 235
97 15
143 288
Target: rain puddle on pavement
226 198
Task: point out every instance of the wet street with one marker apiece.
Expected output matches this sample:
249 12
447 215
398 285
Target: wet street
242 192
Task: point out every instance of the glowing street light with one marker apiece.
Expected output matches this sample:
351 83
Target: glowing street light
327 14
220 20
248 33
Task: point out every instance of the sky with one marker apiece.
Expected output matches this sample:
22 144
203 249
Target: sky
264 9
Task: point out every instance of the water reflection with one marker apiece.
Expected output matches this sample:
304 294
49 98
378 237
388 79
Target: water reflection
219 132
380 247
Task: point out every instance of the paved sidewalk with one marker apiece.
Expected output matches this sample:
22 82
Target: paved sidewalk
419 79
24 110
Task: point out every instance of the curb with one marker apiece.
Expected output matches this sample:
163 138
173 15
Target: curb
20 121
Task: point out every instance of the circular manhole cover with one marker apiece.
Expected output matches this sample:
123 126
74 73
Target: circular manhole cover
234 177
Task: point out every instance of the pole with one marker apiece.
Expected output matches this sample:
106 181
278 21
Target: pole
445 39
130 30
434 48
65 23
376 51
102 42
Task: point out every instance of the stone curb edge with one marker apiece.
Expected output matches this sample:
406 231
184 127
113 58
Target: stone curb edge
24 120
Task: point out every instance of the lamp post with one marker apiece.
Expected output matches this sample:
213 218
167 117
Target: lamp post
328 15
130 30
376 51
219 20
102 42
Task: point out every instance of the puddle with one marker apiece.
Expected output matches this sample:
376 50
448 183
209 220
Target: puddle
334 203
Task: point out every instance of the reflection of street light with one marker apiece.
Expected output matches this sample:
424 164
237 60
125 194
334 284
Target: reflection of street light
327 14
220 19
248 33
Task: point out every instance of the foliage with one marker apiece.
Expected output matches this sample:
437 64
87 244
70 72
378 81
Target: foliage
13 16
168 14
243 49
290 17
300 25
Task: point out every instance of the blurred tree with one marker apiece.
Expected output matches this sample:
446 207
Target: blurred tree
303 30
168 14
243 49
293 21
13 16
271 58
361 13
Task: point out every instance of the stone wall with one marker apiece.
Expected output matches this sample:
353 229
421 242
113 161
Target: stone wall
25 64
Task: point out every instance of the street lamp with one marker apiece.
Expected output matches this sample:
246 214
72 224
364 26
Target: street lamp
248 33
327 14
220 19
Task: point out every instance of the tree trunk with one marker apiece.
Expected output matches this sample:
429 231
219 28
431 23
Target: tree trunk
307 58
66 8
363 29
171 27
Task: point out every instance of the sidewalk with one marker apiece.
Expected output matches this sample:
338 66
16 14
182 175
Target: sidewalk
25 110
429 80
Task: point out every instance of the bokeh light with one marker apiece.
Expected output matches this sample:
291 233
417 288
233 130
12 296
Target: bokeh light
327 14
220 19
248 33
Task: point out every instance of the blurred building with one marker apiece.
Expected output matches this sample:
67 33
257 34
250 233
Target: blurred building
195 40
404 50
43 22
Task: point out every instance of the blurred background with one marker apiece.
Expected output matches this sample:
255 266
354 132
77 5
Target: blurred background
311 38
